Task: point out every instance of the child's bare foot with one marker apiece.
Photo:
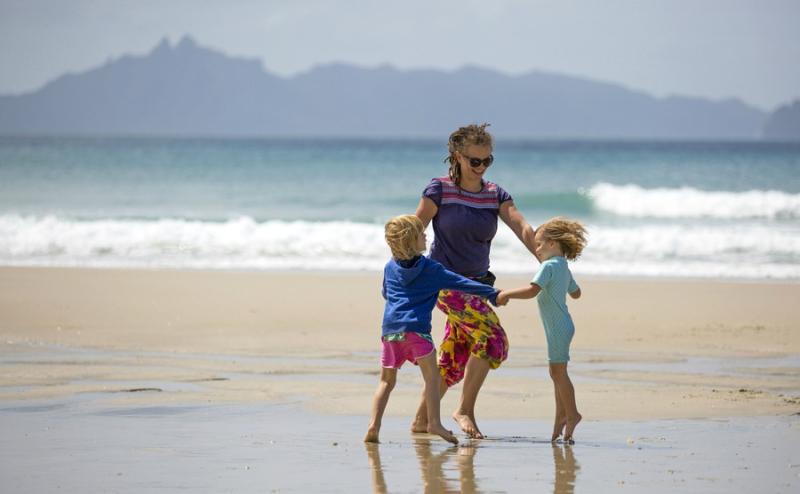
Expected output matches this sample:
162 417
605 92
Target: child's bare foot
372 436
558 428
440 431
572 422
419 425
468 425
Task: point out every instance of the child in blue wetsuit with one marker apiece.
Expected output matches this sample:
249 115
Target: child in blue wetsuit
556 241
411 284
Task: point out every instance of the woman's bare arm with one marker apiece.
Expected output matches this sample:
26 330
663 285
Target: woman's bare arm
518 224
426 210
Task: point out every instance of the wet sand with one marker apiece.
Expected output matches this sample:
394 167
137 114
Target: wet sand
124 380
80 445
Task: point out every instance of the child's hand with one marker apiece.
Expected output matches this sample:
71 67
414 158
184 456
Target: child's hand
502 298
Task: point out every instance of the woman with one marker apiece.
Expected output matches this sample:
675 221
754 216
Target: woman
464 209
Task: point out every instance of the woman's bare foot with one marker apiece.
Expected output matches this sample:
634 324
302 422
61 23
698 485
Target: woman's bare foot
572 422
419 425
372 436
558 428
440 431
468 425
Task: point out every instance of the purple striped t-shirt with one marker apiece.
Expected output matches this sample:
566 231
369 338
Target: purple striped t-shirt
465 224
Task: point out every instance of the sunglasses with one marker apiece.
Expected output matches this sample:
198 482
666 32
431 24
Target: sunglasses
476 162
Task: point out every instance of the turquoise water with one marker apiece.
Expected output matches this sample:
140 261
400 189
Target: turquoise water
653 208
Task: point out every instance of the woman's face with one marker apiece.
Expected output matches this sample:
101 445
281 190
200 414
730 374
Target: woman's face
472 152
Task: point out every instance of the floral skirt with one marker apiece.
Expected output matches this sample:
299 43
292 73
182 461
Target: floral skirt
472 328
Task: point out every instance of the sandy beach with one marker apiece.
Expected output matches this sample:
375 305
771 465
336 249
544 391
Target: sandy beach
147 345
643 349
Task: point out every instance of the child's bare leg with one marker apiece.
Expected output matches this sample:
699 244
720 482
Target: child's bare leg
567 393
475 373
385 386
561 413
430 373
420 423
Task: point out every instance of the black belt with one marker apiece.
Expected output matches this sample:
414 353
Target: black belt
487 279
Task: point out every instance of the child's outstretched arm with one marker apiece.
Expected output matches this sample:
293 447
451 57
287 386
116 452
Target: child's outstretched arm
449 280
524 292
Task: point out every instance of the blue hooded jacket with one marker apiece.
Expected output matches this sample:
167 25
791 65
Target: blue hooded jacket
411 293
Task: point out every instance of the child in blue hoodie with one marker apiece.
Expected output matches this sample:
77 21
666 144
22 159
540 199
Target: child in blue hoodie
411 284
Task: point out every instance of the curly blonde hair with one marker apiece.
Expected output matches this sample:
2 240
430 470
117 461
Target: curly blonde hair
569 234
470 135
402 233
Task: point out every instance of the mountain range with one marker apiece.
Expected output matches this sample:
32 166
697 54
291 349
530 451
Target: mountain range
189 90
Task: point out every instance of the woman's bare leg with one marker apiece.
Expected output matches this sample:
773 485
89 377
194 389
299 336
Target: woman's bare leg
385 386
476 371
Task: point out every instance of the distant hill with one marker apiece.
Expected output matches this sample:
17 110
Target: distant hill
191 90
784 123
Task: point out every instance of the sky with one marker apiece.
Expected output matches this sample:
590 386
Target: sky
708 48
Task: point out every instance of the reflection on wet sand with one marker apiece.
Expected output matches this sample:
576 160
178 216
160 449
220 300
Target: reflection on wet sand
566 469
432 466
374 456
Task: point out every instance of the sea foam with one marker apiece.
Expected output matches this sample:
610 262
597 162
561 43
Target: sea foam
746 249
688 202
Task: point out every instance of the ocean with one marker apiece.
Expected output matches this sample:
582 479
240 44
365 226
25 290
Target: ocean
653 209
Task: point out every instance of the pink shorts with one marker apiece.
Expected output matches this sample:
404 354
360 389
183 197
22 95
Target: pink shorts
414 347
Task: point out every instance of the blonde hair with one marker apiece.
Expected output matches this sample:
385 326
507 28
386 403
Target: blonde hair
470 135
402 233
569 234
